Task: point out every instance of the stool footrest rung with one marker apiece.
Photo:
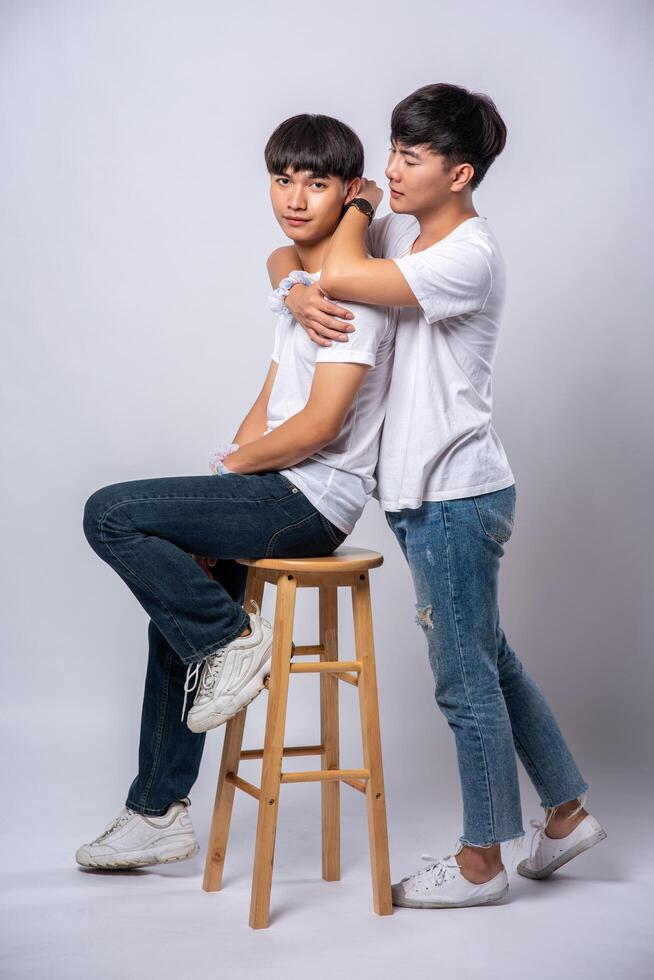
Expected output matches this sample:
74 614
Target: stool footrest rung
327 667
322 775
243 784
308 651
288 750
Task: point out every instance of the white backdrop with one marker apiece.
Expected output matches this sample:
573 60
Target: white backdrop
134 229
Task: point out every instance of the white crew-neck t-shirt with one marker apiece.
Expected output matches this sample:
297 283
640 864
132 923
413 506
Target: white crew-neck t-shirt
338 479
438 442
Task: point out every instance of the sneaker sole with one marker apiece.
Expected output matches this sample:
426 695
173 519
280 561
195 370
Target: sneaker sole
140 860
412 903
579 848
254 687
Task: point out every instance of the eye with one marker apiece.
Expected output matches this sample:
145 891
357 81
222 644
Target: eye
410 164
280 180
318 183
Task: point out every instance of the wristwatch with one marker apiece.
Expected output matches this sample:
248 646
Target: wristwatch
365 207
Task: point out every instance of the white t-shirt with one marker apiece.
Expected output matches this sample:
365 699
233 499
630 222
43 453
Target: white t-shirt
338 479
438 442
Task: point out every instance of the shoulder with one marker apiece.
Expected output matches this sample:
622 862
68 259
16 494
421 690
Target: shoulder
391 235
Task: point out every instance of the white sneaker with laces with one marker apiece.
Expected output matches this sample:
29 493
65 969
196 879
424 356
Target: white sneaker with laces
231 677
550 853
136 840
441 885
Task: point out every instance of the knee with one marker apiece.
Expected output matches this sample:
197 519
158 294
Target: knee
94 510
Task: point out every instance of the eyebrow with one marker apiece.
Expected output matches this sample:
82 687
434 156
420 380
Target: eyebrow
407 153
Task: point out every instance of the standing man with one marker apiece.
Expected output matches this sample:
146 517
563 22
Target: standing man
444 480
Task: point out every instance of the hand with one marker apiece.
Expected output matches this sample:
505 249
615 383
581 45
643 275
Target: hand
370 192
323 320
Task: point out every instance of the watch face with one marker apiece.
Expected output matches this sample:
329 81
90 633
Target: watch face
364 205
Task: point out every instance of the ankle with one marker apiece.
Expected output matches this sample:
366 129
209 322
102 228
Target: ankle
479 864
564 819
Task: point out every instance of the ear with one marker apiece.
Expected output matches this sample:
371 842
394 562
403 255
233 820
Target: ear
352 189
463 174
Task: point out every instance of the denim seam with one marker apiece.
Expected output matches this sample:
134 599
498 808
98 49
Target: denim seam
287 528
160 729
463 671
483 527
527 758
329 531
138 577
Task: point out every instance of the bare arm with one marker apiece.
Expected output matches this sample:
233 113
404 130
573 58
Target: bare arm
333 390
349 274
255 422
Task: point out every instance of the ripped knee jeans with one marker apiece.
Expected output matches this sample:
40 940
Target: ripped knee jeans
493 707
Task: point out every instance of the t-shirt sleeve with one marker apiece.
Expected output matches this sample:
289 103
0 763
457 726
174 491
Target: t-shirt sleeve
370 326
447 280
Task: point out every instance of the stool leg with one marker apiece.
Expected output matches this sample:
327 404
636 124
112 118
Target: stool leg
329 737
273 751
231 757
371 738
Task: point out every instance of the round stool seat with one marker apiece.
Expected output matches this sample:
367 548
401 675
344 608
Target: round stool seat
343 560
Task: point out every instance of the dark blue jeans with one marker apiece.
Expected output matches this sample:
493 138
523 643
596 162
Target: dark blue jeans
148 531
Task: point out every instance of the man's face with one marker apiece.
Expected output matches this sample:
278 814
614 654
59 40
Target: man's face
308 206
417 179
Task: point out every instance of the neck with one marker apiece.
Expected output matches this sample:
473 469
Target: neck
312 255
435 225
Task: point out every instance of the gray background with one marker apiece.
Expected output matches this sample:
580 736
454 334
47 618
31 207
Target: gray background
134 228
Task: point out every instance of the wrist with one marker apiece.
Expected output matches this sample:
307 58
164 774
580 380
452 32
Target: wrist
277 299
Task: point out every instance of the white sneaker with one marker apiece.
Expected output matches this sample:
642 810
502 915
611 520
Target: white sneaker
441 885
135 840
231 677
550 852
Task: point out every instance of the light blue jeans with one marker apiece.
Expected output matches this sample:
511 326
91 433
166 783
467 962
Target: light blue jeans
492 705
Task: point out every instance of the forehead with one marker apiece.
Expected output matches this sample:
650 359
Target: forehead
416 151
304 174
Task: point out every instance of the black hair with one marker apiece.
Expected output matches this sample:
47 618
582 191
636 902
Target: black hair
463 126
320 144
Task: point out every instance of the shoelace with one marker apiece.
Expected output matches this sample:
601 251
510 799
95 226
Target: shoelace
435 873
541 825
208 670
117 822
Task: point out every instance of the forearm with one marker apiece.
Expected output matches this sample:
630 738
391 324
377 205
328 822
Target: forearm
253 426
288 444
347 250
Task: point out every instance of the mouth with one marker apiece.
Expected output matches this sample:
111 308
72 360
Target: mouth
395 193
296 222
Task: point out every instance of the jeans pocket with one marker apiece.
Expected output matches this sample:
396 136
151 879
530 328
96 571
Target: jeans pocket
496 513
335 533
306 538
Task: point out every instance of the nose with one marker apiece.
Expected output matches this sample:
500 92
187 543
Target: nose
297 200
391 171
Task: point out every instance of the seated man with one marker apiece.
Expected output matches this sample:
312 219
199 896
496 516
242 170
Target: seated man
295 486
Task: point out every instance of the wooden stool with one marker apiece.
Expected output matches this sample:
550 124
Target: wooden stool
346 567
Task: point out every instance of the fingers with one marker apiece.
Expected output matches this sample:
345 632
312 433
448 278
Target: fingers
336 311
329 328
317 339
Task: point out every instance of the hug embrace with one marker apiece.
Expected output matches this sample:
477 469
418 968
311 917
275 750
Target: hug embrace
379 385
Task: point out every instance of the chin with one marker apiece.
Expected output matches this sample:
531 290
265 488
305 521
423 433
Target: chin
398 204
